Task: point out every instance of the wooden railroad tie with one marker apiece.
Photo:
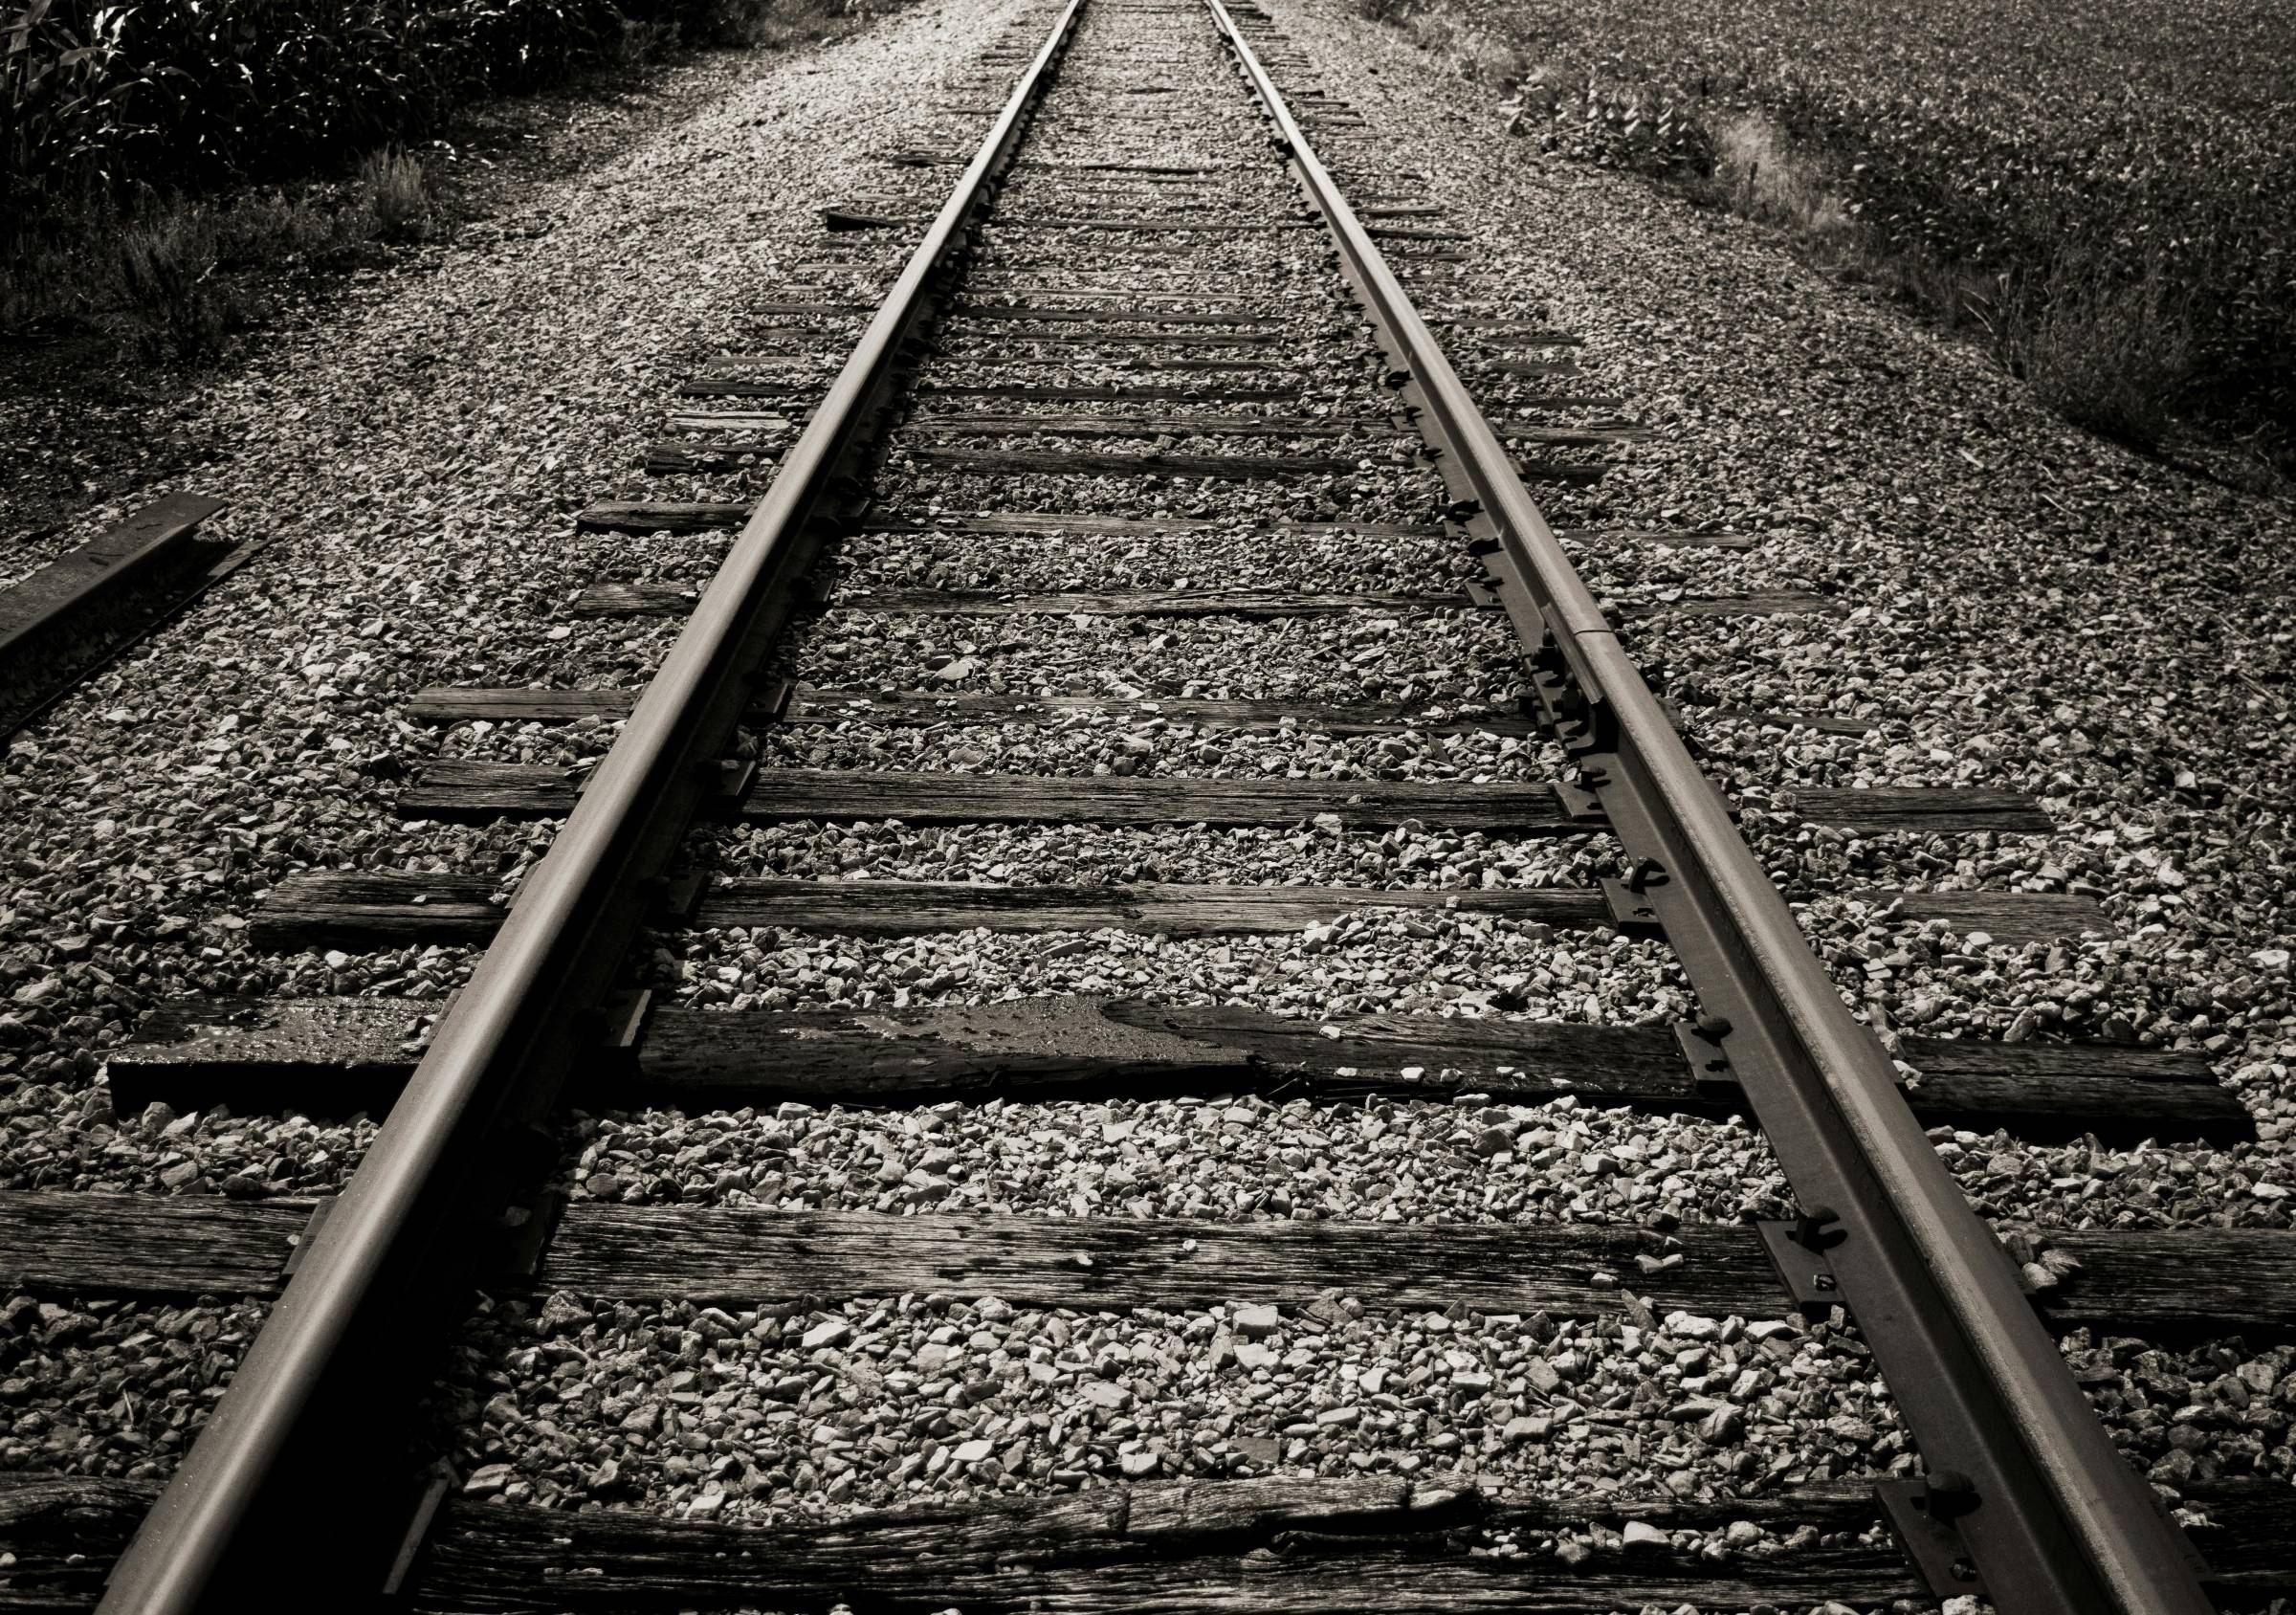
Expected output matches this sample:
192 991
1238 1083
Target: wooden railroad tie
790 703
2159 1283
68 618
342 1056
465 790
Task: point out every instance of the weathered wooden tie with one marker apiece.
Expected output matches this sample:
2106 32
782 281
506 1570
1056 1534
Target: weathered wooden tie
66 619
340 1055
2169 1283
1310 1545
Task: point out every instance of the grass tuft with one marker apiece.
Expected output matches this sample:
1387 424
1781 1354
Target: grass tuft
1764 176
2113 355
397 196
167 287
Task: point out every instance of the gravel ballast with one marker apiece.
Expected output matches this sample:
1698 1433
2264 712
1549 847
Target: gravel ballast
1960 604
412 467
762 1416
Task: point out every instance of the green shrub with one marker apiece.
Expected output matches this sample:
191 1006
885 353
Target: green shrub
122 125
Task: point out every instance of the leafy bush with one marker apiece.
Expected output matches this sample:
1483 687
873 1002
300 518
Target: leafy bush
2119 154
122 125
105 97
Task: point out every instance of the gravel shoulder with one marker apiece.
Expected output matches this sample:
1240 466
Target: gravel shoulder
412 459
2027 607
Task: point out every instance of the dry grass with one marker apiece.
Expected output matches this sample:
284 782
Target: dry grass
165 285
2109 354
2108 218
173 278
779 24
2115 356
397 196
1764 177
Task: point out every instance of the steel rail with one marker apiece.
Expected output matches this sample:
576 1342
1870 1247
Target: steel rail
2053 1518
564 936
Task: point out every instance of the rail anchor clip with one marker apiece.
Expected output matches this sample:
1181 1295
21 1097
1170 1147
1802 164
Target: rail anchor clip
1922 1511
1797 1250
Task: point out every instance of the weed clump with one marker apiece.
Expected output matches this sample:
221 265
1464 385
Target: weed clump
141 146
1764 177
396 196
2111 354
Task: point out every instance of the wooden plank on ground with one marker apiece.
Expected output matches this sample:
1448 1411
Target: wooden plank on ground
1672 538
1326 1545
69 1242
1169 224
782 795
752 387
634 600
644 515
330 1056
1155 392
466 789
1085 1047
1262 366
1144 603
462 788
445 703
66 619
1561 471
980 424
1142 526
738 420
810 704
2131 1279
678 456
112 558
1587 436
338 1055
998 335
1755 603
1057 167
1921 810
1136 315
1331 1545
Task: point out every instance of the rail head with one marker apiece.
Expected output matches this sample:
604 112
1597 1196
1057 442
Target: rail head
563 940
2061 1523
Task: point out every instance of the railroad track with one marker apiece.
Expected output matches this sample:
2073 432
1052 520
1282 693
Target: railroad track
1139 332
